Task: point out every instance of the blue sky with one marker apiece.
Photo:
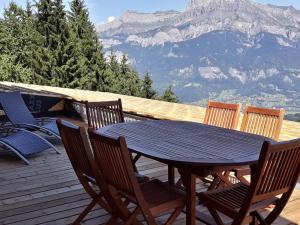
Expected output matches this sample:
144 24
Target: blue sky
102 10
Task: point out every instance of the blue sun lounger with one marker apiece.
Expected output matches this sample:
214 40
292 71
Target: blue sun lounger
20 116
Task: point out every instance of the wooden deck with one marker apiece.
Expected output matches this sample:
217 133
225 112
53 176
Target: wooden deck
47 192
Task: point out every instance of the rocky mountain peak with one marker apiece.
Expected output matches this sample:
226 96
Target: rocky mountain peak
196 4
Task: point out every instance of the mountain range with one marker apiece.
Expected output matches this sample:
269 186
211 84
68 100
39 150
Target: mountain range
229 50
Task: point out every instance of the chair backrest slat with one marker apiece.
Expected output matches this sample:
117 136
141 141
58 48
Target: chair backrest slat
101 114
15 108
114 161
222 114
279 167
263 121
75 149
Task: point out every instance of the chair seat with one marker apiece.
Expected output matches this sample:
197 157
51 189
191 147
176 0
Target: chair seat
229 200
161 195
26 143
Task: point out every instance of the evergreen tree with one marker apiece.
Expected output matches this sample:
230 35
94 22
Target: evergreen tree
60 45
18 41
147 89
86 48
45 26
169 95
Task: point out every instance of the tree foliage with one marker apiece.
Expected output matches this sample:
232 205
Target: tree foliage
48 45
169 95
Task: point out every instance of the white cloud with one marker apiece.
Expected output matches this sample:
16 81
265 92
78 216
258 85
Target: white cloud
111 18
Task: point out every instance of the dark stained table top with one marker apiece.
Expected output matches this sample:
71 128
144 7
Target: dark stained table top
188 143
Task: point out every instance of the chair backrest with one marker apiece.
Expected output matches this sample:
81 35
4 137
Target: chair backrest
101 114
263 121
77 153
277 171
114 161
222 114
15 108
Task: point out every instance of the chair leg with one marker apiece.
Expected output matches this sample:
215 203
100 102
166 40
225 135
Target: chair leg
215 216
260 218
219 180
134 160
85 211
120 208
173 216
133 216
254 219
112 220
215 183
150 220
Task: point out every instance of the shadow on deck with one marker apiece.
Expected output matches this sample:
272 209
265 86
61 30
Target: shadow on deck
48 192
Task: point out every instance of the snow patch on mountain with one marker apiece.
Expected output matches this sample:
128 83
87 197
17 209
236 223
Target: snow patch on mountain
211 73
287 80
186 72
235 73
282 42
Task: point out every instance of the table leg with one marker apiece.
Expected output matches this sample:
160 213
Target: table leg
189 181
171 175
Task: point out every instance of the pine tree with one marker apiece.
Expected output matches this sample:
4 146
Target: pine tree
18 40
60 45
169 95
86 48
147 89
45 27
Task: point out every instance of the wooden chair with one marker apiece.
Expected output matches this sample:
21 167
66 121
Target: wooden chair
273 181
222 114
101 114
261 121
225 115
151 198
79 158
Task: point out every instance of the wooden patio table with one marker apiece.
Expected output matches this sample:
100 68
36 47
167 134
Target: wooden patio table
195 149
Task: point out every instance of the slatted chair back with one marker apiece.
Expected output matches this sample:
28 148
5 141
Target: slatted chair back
101 114
74 145
222 114
277 171
263 121
114 161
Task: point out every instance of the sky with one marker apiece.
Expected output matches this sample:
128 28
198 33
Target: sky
102 11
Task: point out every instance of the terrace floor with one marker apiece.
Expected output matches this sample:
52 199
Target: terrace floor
48 192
